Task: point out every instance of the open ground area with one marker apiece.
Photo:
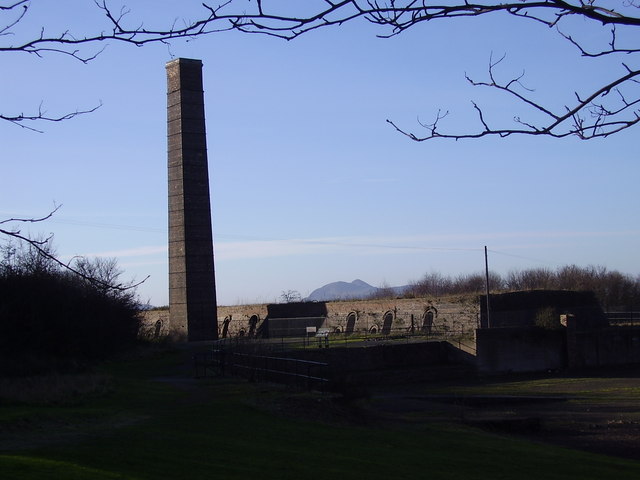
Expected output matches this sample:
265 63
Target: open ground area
145 417
595 411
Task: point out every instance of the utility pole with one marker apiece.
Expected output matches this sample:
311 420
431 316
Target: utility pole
486 273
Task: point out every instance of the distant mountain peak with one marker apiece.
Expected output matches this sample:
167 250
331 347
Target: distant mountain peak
342 291
357 289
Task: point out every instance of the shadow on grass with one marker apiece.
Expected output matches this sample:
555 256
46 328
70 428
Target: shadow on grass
218 429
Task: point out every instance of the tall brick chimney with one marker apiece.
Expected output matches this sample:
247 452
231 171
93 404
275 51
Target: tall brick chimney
192 290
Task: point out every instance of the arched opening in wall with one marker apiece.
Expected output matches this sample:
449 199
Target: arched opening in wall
351 323
337 330
242 332
427 320
253 322
225 326
373 330
157 329
387 320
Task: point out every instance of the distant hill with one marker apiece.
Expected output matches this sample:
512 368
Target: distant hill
346 291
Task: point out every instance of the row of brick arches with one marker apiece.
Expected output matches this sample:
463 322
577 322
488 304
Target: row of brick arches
251 332
426 323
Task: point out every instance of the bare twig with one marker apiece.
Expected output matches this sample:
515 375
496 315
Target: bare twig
288 22
20 119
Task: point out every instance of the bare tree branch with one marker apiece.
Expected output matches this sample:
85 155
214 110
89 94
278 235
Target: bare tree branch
596 116
42 116
33 220
588 118
41 247
397 15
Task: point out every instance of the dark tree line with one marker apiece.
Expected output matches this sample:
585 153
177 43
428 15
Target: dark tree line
54 319
612 288
594 28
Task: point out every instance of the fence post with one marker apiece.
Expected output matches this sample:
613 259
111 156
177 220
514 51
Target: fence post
265 377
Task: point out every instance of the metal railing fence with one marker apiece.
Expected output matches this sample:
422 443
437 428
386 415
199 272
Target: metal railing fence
626 317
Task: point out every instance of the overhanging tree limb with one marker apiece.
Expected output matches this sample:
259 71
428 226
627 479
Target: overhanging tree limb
22 119
40 246
599 115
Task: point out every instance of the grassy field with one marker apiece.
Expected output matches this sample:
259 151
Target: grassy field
150 420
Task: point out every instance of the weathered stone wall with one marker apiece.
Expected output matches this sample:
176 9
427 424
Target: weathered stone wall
520 349
534 349
368 316
357 316
603 346
520 309
347 369
405 314
155 324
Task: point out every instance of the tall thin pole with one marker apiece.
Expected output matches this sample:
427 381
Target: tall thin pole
486 273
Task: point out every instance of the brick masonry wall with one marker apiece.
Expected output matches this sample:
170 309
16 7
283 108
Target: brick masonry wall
520 349
458 315
191 267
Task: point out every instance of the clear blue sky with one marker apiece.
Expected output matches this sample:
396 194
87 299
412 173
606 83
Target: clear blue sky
309 184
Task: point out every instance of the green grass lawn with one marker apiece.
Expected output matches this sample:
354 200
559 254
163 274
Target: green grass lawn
607 386
150 429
